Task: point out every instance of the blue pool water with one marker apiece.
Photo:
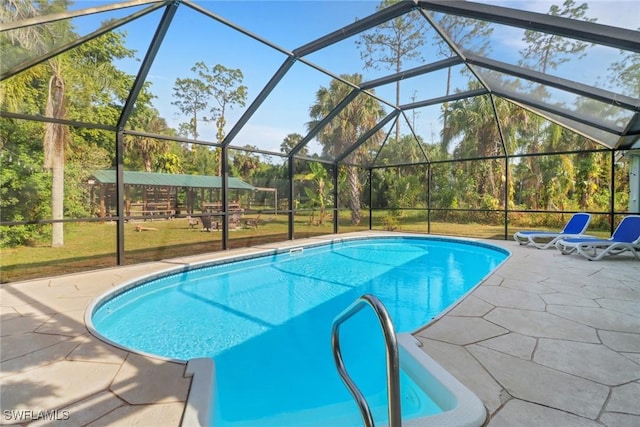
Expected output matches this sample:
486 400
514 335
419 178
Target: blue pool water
267 323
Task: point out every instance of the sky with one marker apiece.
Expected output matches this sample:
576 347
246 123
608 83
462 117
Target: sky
193 37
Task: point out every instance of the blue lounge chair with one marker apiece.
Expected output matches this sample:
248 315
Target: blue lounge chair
626 237
575 227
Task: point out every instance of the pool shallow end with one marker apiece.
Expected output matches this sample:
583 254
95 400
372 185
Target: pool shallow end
461 408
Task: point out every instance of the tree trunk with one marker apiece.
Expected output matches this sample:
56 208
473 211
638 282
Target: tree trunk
54 142
445 117
57 202
398 103
354 200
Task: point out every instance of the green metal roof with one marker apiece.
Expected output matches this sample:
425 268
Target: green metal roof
169 180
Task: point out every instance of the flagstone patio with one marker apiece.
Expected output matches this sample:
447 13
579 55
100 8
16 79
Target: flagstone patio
545 340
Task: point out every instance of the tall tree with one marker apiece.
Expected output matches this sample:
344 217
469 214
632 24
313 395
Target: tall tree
341 133
89 68
56 135
225 86
190 96
392 43
625 73
546 51
468 35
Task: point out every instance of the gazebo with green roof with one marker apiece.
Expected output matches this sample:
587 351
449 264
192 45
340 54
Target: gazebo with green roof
152 193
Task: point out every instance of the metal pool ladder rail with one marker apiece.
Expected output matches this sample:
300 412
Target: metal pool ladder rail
393 361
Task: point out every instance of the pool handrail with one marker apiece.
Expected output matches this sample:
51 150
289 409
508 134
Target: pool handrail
393 360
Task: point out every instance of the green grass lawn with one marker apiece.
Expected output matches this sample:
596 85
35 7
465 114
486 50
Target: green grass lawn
92 245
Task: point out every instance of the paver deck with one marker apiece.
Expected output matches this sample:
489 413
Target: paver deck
546 340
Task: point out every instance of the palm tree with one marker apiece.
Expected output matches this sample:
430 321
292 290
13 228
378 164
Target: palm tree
473 121
56 135
146 147
55 140
68 77
341 133
246 162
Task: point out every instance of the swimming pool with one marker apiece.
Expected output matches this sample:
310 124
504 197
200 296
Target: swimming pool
266 321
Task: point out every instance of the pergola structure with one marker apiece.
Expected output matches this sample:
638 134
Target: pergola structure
160 192
597 109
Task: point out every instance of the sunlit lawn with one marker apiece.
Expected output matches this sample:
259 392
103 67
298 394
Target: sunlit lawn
93 245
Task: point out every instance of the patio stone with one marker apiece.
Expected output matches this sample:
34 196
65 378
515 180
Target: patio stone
568 273
7 313
7 299
167 414
613 277
518 413
635 357
87 410
70 323
541 324
55 385
22 324
560 298
92 289
591 361
65 304
38 358
461 330
513 344
29 310
625 398
632 308
143 380
545 386
471 306
527 286
30 298
610 419
621 292
621 341
516 271
580 290
600 318
462 365
493 280
91 348
500 296
23 344
632 281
